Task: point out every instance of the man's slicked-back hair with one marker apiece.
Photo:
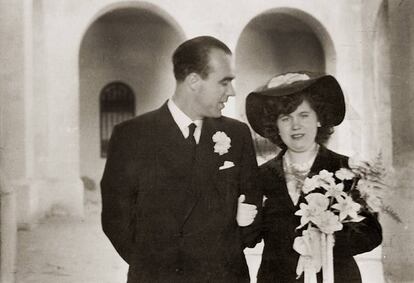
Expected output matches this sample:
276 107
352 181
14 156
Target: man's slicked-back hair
192 56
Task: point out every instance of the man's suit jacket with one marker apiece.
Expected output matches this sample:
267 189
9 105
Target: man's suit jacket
279 260
170 215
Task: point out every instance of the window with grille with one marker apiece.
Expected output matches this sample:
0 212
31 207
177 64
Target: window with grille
117 104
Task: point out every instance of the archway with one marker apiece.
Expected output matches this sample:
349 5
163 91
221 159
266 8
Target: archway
129 44
274 42
278 41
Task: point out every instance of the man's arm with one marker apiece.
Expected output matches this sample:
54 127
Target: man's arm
252 192
118 194
246 213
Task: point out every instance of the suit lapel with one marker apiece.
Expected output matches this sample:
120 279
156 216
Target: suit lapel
206 162
173 156
172 144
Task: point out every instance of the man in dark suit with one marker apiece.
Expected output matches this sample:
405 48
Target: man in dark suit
173 177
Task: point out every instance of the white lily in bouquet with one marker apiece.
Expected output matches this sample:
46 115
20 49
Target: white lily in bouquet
328 206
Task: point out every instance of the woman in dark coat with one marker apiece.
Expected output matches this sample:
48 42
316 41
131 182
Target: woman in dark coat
297 112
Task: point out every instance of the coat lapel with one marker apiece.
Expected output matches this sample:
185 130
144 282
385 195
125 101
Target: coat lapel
173 156
321 162
206 163
172 148
278 181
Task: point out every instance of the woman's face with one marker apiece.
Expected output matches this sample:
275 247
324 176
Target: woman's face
298 129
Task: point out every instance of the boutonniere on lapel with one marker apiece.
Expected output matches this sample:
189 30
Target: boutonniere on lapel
222 143
221 146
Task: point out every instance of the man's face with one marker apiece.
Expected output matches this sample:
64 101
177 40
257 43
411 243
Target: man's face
215 90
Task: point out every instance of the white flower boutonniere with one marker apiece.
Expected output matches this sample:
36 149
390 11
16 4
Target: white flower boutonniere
222 143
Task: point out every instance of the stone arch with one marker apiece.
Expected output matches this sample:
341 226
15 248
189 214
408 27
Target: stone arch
139 5
277 41
258 47
130 42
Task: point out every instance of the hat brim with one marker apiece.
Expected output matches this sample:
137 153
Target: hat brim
326 87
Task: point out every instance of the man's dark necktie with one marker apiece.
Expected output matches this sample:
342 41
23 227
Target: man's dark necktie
191 139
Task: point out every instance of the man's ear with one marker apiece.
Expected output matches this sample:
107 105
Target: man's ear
193 81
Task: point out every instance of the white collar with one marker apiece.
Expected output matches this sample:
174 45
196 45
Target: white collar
183 121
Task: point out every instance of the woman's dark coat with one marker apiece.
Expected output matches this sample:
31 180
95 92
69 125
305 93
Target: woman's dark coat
279 260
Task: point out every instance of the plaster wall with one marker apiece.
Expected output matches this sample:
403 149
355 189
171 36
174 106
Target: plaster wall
62 43
264 50
61 27
136 52
396 70
13 128
45 88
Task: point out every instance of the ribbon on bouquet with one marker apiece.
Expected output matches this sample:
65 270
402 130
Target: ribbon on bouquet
327 243
316 252
310 260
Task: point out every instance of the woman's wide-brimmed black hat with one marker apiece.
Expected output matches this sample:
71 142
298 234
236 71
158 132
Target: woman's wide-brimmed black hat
326 87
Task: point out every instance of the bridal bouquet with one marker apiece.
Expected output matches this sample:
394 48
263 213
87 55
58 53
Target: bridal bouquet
328 206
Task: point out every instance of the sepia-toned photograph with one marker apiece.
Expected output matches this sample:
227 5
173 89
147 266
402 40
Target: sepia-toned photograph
206 141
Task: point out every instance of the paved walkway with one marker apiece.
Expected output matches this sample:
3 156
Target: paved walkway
69 250
73 250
